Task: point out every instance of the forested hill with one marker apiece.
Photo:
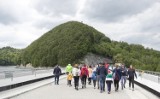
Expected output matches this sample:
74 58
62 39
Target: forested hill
9 56
71 41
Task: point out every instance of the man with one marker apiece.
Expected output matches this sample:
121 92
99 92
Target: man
131 74
68 70
57 73
102 76
123 76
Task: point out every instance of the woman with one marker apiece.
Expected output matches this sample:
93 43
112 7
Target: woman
131 74
76 74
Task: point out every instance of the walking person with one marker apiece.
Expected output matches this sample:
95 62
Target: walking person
123 71
116 77
68 70
76 74
131 74
109 81
94 78
84 74
69 78
102 76
97 69
90 75
57 73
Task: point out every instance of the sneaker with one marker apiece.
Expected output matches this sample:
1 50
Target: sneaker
129 88
108 92
101 91
132 89
124 86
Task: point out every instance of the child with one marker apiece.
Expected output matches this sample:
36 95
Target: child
109 80
69 78
94 78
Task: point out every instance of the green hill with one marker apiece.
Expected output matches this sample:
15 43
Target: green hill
66 43
71 41
9 56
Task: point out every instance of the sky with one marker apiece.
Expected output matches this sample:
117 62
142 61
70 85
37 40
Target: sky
132 21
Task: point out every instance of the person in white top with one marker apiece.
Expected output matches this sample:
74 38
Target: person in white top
76 74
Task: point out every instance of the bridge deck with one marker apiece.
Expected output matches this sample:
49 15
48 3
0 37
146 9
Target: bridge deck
63 91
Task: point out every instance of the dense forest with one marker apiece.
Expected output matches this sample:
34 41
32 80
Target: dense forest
71 41
9 56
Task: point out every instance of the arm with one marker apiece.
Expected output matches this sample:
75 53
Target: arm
135 74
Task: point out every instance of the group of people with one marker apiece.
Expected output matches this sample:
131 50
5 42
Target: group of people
101 75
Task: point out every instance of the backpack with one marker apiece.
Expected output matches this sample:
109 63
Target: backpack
84 72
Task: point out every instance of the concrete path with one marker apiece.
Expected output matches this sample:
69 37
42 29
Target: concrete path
62 91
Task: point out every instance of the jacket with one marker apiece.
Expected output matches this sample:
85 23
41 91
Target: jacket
69 68
90 72
84 69
76 72
102 71
132 73
116 72
57 71
94 76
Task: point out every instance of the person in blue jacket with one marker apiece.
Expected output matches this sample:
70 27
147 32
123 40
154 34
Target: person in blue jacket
116 77
94 78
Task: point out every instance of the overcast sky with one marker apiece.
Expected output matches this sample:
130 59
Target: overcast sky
132 21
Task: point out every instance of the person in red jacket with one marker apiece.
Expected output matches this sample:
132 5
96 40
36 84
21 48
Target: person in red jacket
84 75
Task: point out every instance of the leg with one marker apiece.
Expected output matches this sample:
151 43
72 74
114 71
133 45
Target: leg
117 84
75 82
98 81
122 80
58 79
55 79
101 85
104 84
133 83
130 82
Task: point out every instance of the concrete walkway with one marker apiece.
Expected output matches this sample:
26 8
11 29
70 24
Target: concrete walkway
62 91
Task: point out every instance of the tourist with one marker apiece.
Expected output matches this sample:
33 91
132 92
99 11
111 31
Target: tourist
68 70
131 74
116 77
109 81
102 76
57 73
69 78
94 78
84 74
123 71
76 74
90 75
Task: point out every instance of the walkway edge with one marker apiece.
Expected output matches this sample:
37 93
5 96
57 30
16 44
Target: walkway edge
24 90
148 88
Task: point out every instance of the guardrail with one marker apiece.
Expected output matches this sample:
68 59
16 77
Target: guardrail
149 75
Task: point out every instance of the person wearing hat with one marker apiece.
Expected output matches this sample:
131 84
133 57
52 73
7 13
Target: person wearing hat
68 70
76 74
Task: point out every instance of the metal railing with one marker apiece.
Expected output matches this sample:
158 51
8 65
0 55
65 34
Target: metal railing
149 75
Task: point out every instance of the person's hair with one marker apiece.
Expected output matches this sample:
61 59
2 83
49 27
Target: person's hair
90 66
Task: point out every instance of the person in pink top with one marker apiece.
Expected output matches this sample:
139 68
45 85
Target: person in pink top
84 75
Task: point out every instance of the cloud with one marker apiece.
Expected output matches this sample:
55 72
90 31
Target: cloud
23 21
113 10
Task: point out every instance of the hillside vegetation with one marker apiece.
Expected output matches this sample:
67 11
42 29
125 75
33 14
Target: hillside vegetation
9 56
71 41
